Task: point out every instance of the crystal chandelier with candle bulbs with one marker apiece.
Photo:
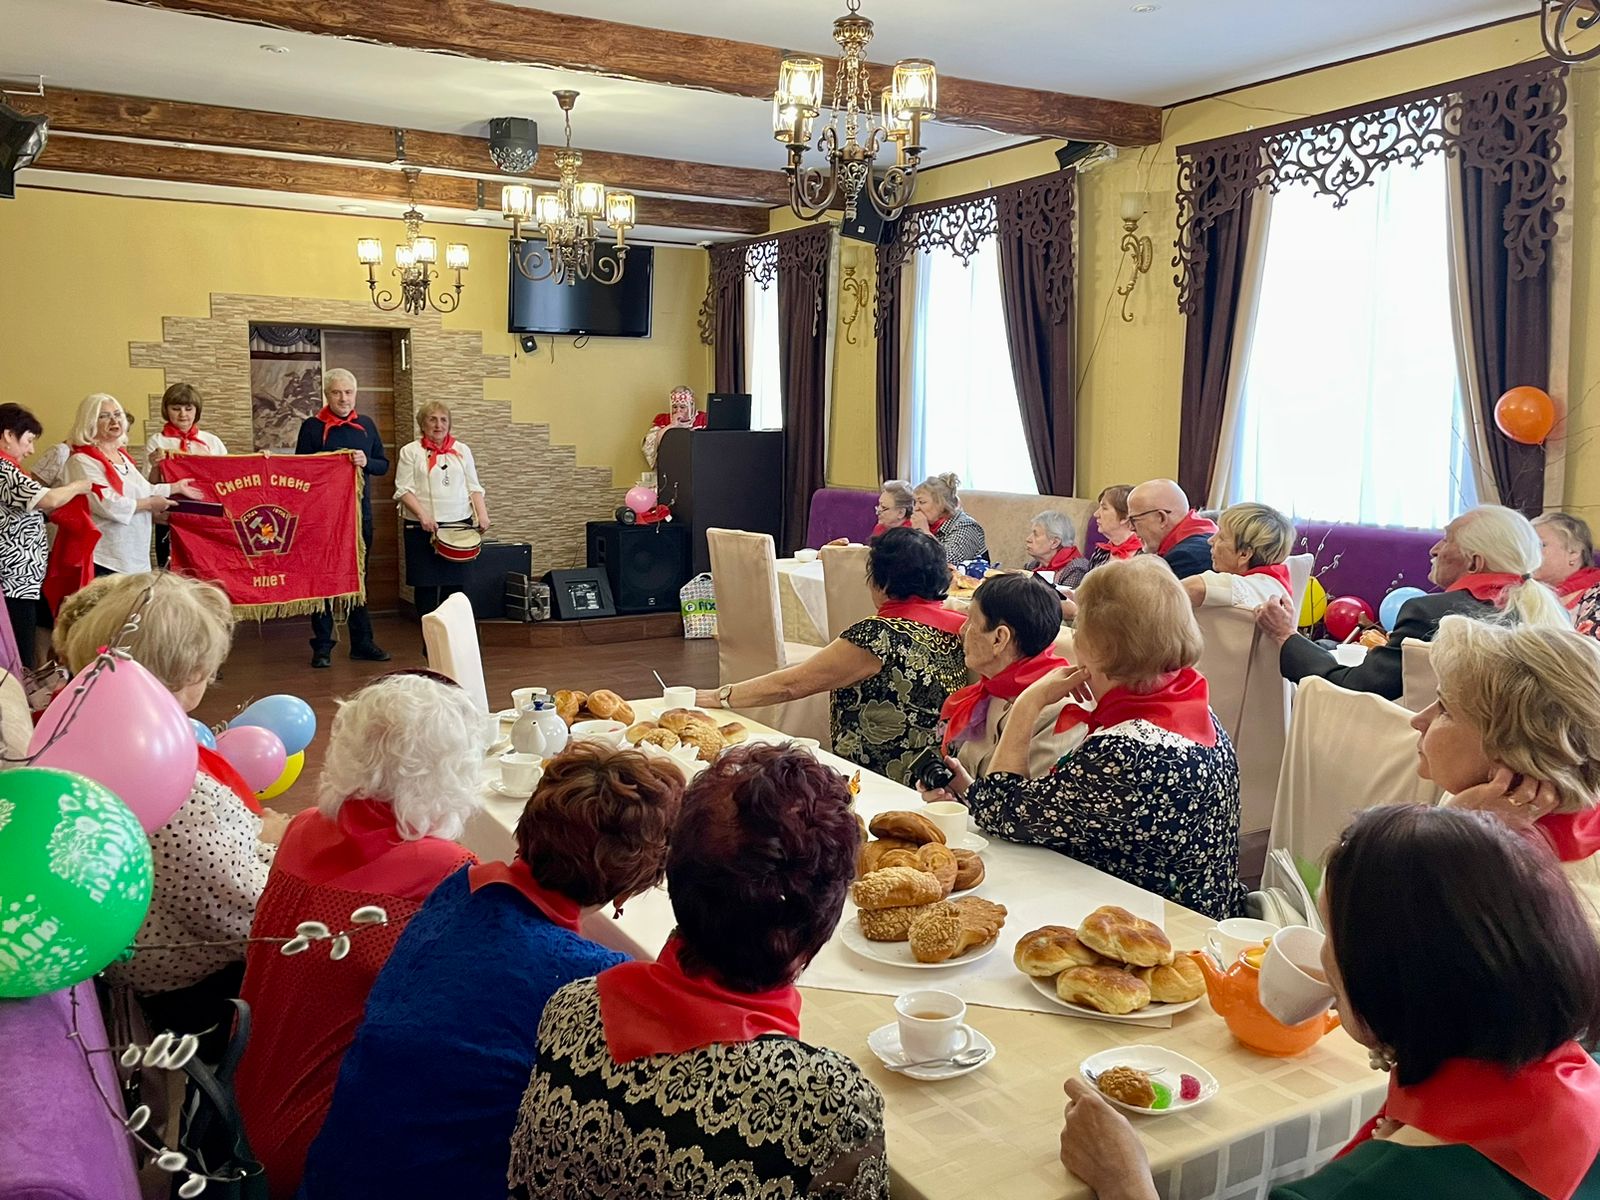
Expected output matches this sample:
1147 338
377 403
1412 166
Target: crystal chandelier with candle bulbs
414 261
852 138
566 219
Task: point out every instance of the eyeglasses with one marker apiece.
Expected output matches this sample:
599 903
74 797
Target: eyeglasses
880 510
1149 512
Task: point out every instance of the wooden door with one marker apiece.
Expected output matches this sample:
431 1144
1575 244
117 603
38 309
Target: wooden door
369 355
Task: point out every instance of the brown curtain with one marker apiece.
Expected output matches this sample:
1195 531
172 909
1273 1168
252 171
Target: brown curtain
890 307
725 297
1035 245
1208 346
803 366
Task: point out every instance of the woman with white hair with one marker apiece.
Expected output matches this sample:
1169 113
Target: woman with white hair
1248 553
436 484
398 785
121 499
1053 553
938 511
1568 562
1485 562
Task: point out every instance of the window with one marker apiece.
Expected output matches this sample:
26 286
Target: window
1351 406
964 415
763 378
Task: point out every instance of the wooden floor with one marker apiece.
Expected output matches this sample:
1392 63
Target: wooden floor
276 657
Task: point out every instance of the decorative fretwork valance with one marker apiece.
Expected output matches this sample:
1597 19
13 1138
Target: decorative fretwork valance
1043 208
1504 121
760 259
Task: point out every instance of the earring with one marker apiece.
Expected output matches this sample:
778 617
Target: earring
616 911
1381 1058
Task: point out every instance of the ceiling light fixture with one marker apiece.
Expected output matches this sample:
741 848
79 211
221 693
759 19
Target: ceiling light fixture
851 139
1561 20
413 263
22 138
566 219
514 144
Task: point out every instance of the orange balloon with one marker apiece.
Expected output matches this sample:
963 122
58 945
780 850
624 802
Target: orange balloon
1526 415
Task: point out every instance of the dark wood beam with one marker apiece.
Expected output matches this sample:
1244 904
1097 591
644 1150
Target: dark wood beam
135 160
284 133
496 32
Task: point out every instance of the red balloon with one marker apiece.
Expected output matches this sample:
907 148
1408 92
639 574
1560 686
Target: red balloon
1344 616
1526 415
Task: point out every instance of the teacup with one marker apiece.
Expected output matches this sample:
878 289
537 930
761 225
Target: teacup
932 1025
950 816
520 772
522 697
1231 938
1293 986
677 697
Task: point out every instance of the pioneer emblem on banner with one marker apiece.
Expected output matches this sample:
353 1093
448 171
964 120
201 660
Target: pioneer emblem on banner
266 529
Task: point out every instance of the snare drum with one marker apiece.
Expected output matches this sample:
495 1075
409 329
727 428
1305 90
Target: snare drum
456 544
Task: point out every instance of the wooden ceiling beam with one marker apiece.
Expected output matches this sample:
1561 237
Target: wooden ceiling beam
214 168
284 133
483 29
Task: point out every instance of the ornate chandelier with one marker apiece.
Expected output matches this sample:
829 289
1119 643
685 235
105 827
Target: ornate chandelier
1559 20
414 260
566 218
851 139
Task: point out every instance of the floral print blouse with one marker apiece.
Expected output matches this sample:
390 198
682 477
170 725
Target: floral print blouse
887 720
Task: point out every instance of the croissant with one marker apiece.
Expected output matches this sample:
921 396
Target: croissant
952 928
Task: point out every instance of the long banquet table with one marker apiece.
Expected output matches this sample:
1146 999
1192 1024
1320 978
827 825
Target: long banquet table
994 1131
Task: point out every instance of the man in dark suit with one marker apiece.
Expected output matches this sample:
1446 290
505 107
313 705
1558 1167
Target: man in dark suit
339 427
1160 514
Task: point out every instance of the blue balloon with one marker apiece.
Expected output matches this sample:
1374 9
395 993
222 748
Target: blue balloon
203 734
1389 610
289 717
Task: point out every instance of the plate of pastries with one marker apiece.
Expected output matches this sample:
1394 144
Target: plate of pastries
912 909
603 705
680 727
1113 965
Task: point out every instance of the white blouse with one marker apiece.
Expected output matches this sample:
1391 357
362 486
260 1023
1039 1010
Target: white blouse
1224 589
49 466
171 445
445 491
124 544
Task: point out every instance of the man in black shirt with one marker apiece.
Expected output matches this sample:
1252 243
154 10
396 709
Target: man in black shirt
339 427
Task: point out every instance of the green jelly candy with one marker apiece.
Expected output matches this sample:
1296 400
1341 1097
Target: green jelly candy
1163 1095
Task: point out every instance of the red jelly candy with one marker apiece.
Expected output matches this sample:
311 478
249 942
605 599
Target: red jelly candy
1188 1088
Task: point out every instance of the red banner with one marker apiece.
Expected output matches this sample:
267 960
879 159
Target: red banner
280 533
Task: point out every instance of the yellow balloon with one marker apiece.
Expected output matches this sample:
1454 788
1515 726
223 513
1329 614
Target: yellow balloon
1311 611
292 766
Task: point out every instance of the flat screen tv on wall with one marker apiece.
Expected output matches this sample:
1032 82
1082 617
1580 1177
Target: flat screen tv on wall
588 308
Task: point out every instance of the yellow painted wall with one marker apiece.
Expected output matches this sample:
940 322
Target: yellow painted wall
1131 373
93 273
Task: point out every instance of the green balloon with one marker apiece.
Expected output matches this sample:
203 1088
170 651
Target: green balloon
75 876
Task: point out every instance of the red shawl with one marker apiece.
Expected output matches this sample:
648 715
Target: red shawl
655 1008
967 709
1181 705
1127 548
881 528
1488 586
435 449
561 910
1278 571
1573 836
1572 588
1062 557
12 459
113 480
220 769
71 565
184 436
925 612
1540 1124
664 421
331 421
1192 524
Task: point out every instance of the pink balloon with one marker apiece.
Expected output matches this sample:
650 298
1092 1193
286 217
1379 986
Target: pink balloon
256 753
640 498
126 732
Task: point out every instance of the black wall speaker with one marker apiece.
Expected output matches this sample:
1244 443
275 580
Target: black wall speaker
867 226
645 564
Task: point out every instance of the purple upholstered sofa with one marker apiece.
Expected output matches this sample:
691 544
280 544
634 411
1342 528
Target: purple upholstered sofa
840 513
58 1141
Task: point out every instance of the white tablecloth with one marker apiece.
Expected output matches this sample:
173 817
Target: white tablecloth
803 601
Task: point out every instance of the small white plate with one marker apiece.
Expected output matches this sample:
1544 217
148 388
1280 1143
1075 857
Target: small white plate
1047 987
1170 1063
898 954
975 842
500 787
508 714
885 1043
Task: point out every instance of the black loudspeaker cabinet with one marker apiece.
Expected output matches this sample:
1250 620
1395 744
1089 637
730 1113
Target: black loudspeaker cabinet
486 576
645 564
722 479
579 595
867 226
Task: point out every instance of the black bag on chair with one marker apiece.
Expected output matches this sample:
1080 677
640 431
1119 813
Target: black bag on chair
212 1134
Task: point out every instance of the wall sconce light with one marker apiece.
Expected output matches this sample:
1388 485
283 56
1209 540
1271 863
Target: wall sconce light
1140 249
854 292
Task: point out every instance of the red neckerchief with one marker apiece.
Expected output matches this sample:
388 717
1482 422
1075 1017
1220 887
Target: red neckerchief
881 528
1573 836
1278 571
924 612
655 1008
561 910
968 708
1488 586
71 564
364 852
220 769
1192 524
935 526
331 421
1541 1124
664 421
184 436
1575 585
11 459
100 456
1181 705
1062 557
435 449
1126 548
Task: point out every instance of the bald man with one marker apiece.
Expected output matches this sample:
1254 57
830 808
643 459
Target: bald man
1160 514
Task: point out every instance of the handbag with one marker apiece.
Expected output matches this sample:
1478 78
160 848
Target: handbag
453 543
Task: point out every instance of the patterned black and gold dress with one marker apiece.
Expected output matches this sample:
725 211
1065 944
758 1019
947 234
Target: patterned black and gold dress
887 720
772 1118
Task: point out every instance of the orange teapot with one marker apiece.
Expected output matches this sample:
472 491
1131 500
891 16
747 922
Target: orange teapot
1234 995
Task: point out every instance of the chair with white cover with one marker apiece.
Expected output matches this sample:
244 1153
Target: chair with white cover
744 572
1419 686
1251 700
1299 577
450 632
844 581
1346 751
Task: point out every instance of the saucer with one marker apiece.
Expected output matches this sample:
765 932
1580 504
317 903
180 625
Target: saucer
977 843
500 787
508 714
1171 1066
885 1043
